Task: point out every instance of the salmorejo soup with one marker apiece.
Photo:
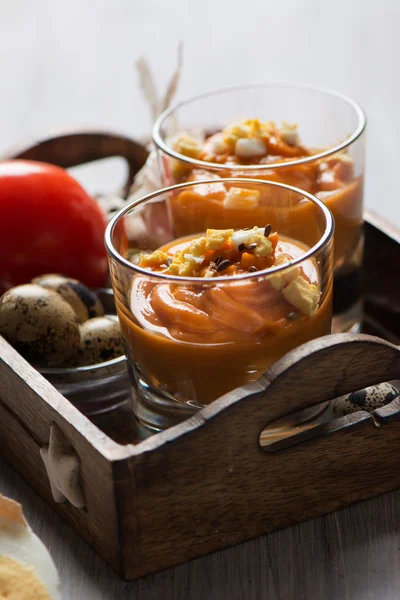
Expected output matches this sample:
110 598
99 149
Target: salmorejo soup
252 142
211 311
320 150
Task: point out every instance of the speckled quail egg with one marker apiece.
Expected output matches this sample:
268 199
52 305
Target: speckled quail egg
84 302
40 324
101 340
368 399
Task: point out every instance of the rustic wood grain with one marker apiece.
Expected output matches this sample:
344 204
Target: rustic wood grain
206 483
212 486
28 407
72 148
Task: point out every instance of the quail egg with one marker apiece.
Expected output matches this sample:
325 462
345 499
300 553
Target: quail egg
84 302
367 399
101 340
40 324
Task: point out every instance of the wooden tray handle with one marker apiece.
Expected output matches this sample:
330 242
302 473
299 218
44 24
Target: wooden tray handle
317 371
74 148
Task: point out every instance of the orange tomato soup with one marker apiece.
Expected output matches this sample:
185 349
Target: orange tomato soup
249 142
198 340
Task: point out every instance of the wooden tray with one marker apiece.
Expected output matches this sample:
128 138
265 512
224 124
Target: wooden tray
207 484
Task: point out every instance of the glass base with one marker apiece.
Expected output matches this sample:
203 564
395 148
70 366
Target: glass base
156 411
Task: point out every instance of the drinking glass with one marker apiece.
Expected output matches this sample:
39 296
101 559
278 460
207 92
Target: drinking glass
191 339
330 126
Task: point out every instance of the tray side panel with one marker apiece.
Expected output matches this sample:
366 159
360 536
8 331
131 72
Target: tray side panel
207 484
28 407
195 502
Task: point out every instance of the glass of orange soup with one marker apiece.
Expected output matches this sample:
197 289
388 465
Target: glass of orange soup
300 135
209 311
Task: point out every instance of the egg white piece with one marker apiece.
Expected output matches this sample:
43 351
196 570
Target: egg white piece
197 259
243 236
250 147
218 144
290 136
17 541
242 198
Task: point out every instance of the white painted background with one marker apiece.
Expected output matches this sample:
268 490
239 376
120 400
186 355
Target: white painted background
71 62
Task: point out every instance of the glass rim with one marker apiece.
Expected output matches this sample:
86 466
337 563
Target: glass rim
325 237
162 145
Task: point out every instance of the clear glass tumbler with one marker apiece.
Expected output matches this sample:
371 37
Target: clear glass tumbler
210 311
296 134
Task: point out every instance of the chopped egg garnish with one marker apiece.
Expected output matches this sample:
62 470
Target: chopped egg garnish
242 198
249 138
214 252
187 145
248 141
263 247
279 280
198 247
303 295
218 144
250 147
339 166
155 259
256 236
217 238
229 252
197 259
295 288
183 267
248 128
289 134
243 236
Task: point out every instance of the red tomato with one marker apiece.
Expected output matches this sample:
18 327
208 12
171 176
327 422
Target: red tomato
48 224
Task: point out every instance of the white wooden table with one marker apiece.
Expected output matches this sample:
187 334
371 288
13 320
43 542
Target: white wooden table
69 63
